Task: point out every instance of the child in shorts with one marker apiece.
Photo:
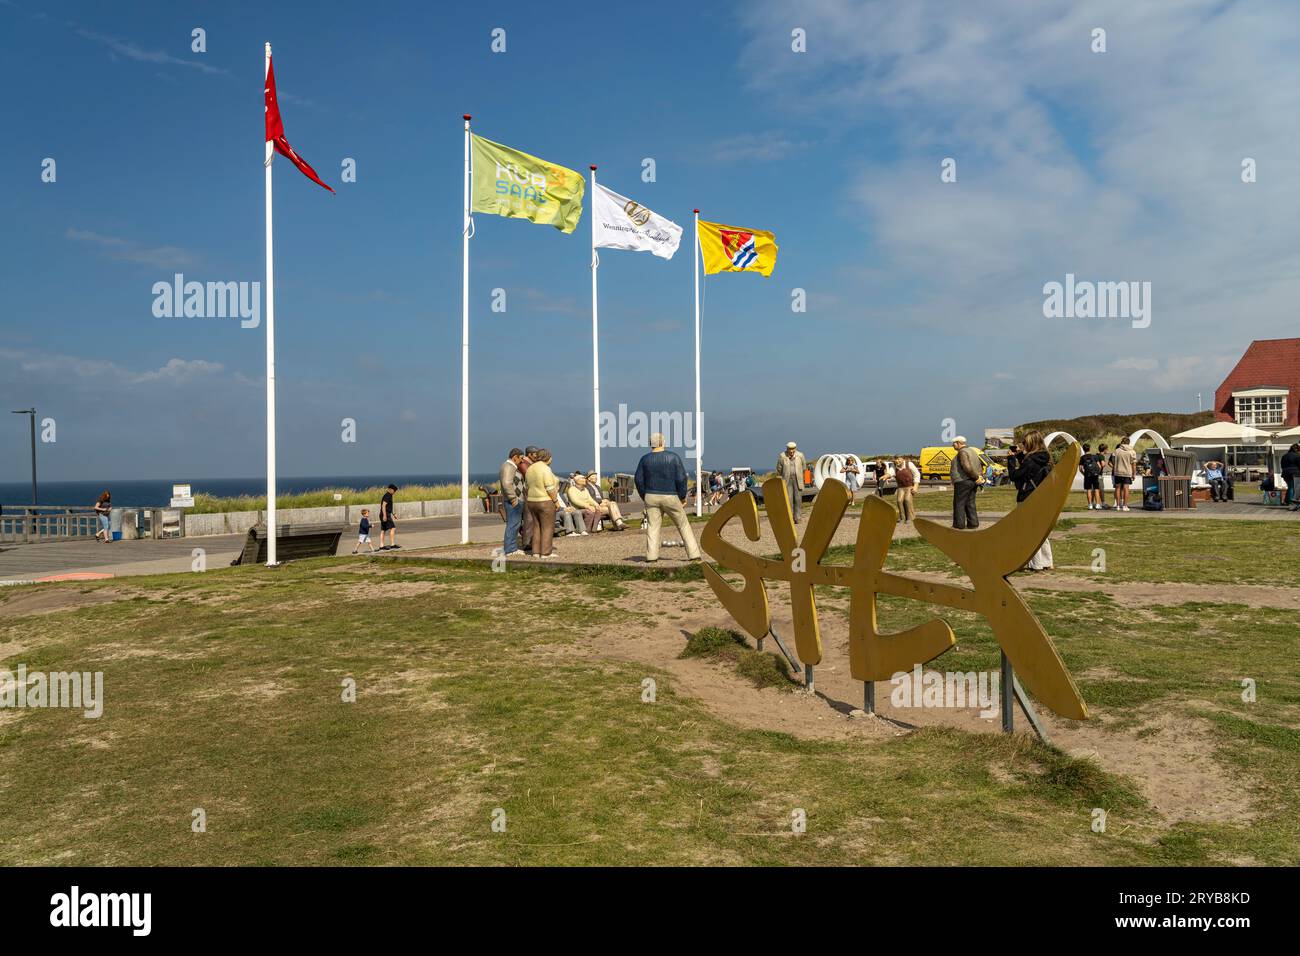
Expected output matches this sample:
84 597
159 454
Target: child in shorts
363 532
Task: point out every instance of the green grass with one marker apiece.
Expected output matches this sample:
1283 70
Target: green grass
479 691
324 498
991 500
760 668
1181 551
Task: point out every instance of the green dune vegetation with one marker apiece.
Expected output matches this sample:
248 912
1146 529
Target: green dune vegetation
324 498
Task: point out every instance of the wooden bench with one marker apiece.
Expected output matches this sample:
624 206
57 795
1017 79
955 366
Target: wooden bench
293 542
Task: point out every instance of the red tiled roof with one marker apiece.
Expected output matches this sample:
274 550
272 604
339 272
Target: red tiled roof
1268 363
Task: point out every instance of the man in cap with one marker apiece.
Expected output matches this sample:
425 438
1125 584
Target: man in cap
790 467
967 476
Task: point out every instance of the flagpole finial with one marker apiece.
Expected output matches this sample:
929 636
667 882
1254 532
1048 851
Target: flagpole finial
697 212
593 168
466 117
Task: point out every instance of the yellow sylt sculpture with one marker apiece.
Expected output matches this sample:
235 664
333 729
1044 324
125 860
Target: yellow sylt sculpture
987 556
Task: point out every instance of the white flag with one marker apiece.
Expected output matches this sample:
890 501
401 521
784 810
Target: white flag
620 223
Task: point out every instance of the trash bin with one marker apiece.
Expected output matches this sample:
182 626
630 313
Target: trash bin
130 524
115 523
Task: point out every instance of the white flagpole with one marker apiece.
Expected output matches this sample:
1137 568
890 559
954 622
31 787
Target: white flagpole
699 418
270 354
464 356
595 336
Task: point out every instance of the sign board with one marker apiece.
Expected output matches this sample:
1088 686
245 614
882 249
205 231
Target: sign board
182 497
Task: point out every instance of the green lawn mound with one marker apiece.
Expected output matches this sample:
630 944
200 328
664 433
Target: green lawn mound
761 668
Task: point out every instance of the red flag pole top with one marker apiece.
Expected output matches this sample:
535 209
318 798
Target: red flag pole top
275 130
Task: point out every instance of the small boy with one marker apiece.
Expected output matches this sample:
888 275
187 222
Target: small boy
363 532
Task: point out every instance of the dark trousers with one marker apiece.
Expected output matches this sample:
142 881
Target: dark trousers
1218 489
514 517
1291 482
963 505
526 527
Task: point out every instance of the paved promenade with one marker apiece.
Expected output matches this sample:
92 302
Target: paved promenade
32 562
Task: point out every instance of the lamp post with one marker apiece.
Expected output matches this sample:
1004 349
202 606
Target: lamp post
32 413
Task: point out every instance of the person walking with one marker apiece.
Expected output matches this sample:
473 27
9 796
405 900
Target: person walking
103 511
1290 465
852 477
388 520
542 491
363 532
1123 468
511 481
967 476
1028 469
905 496
790 467
661 482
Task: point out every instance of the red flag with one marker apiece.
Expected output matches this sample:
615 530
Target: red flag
275 130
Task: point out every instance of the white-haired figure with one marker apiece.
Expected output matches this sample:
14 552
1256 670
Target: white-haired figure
967 476
791 466
661 483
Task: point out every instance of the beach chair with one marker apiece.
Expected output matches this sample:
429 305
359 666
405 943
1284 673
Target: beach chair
169 524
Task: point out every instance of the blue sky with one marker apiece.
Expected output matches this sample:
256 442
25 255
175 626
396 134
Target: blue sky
924 298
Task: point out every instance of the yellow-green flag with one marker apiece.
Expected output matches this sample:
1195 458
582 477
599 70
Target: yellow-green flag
517 185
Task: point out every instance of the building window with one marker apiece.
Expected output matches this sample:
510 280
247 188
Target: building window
1260 410
1242 455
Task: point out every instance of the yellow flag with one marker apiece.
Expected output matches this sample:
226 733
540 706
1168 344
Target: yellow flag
736 249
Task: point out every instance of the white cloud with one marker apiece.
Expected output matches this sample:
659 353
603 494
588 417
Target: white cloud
133 52
1122 165
755 148
1135 364
44 366
127 250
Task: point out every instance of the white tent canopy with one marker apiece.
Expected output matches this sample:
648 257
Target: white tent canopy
1225 432
1289 433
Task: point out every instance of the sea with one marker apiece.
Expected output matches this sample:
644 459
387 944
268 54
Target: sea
157 492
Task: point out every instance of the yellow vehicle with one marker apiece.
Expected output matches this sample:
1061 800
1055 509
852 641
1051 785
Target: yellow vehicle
936 464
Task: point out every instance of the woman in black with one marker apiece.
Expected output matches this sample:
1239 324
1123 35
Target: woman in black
1028 468
1291 475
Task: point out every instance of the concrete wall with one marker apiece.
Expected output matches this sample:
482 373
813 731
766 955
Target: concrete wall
238 522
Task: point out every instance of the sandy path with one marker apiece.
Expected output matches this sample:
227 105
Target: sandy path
1168 755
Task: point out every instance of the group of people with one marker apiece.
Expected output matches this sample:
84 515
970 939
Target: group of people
792 469
1122 463
387 524
724 486
538 505
1028 465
